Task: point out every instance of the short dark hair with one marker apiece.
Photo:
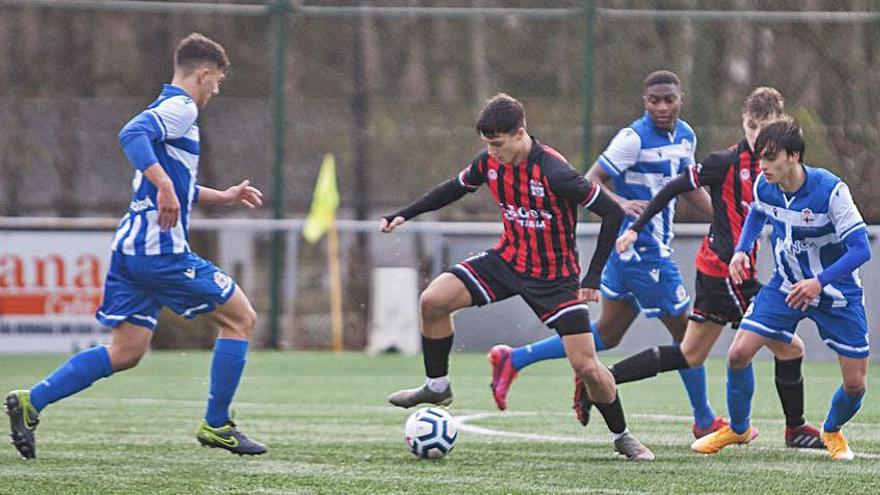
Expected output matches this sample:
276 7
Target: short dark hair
197 49
661 77
764 102
501 114
783 135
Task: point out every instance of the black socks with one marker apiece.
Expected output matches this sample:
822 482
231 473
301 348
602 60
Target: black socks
648 363
435 353
790 386
613 415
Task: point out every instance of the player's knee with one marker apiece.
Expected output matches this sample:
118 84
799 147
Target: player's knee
590 370
790 351
124 357
248 320
434 305
797 347
855 386
694 353
244 323
738 358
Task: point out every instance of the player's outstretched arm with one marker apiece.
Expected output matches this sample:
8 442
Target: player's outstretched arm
387 225
679 185
631 207
434 199
242 194
699 199
612 217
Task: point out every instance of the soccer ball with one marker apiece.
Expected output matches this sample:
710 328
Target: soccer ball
430 433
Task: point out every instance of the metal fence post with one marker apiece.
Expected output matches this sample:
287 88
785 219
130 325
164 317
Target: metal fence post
279 16
589 36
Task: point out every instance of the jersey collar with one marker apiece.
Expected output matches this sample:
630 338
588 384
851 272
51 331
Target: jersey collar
172 90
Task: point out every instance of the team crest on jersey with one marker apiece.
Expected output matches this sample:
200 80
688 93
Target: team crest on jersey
745 174
681 293
493 175
222 280
807 215
537 188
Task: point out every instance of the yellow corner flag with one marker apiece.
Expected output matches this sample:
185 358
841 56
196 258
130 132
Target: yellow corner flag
325 201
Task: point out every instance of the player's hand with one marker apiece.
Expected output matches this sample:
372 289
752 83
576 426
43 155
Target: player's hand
634 207
739 267
244 194
803 293
626 240
588 294
388 227
169 207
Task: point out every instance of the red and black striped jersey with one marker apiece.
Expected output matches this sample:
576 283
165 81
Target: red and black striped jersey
539 200
729 175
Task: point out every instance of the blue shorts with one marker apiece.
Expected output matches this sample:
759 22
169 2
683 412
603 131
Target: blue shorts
844 330
137 287
652 284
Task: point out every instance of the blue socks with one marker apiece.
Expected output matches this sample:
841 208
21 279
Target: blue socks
740 389
549 348
843 408
77 373
597 339
694 380
226 368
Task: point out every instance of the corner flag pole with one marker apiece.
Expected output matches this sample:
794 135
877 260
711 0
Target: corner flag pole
335 287
322 220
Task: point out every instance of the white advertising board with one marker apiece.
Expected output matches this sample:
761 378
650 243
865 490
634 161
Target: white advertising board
50 287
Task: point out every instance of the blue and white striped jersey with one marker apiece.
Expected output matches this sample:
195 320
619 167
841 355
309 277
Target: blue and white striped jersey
167 133
641 159
809 229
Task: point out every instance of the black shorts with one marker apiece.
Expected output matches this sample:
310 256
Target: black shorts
722 301
490 279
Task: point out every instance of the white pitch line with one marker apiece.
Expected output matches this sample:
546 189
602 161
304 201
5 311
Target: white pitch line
462 423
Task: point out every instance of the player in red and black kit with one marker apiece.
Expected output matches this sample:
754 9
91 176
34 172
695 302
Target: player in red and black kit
729 175
539 195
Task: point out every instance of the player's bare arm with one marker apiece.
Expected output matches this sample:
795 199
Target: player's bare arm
631 207
242 194
168 204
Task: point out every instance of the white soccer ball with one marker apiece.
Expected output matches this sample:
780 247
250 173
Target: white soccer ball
430 433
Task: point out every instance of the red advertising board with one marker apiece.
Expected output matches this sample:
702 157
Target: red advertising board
50 287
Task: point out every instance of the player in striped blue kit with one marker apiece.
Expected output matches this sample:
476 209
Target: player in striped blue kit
639 161
819 242
152 265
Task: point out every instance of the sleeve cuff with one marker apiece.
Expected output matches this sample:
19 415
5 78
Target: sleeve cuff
609 167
